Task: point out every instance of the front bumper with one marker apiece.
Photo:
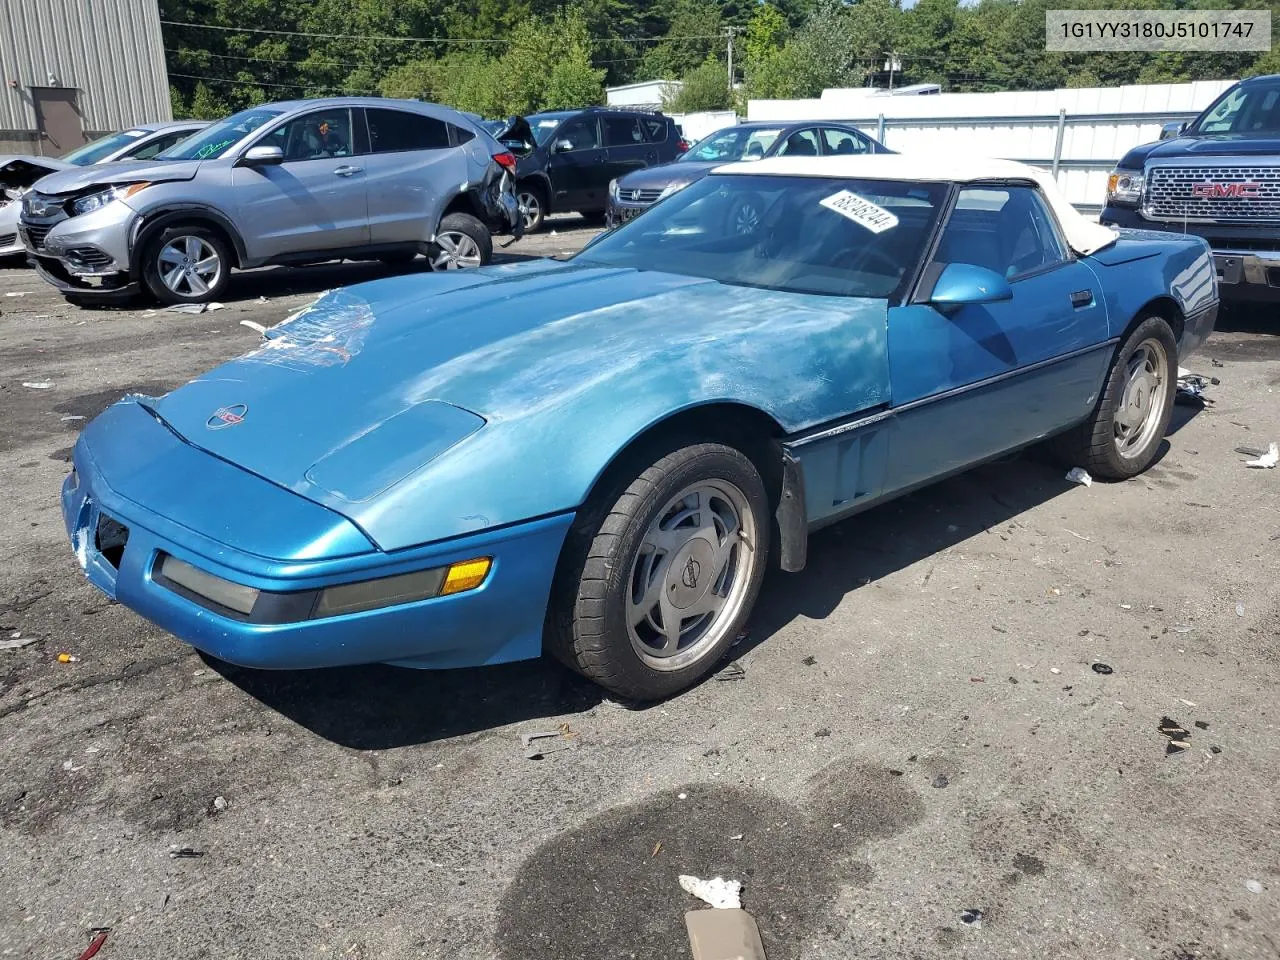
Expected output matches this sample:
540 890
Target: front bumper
620 211
10 243
499 621
86 255
1246 258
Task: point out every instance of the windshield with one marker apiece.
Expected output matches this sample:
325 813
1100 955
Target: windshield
1252 109
544 125
93 152
215 140
746 143
835 236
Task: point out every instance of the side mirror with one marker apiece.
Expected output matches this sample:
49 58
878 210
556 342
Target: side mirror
564 146
262 157
964 283
1171 130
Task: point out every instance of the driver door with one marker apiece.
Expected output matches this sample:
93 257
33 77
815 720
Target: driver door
981 379
576 164
316 199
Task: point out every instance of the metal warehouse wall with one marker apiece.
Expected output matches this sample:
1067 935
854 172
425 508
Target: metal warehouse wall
1078 134
111 50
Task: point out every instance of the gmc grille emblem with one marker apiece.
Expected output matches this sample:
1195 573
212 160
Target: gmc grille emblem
1229 191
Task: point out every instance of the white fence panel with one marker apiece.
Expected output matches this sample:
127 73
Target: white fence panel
1078 134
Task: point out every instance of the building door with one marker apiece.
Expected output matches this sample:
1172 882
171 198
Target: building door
57 120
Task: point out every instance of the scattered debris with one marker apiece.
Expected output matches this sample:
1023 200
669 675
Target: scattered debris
1239 609
809 661
70 767
184 853
1202 724
38 384
720 893
1181 628
68 658
1054 670
1253 886
219 803
538 753
824 732
70 418
1080 475
1215 749
16 641
737 836
1103 669
1216 362
732 671
16 293
187 308
1251 451
657 847
215 306
941 781
682 796
1126 606
972 917
99 935
744 635
1179 738
977 679
1264 462
1187 703
262 300
1193 386
253 326
723 935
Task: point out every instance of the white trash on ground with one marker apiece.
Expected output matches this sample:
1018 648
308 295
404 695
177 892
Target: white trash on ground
41 385
1264 462
720 893
253 326
1080 475
17 642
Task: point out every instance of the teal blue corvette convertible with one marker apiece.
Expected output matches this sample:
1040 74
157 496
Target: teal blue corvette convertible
599 457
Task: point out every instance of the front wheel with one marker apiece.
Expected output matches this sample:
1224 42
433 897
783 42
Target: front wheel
461 242
1123 435
532 207
658 586
186 264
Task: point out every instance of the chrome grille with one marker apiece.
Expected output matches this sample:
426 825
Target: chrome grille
1172 194
641 195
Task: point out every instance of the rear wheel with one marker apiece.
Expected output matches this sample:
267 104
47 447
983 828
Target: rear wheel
533 206
656 584
1124 433
461 242
187 263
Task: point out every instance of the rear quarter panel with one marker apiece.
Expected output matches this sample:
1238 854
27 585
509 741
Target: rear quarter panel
1143 266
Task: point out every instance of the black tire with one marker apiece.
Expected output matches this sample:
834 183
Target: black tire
1094 444
535 218
595 216
187 292
463 224
587 620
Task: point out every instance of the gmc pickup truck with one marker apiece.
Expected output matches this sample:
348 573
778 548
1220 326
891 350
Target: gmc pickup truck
1217 177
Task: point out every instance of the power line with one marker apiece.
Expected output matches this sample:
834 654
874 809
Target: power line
385 39
227 56
263 83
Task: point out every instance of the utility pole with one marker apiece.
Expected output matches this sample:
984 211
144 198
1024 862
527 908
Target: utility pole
729 32
891 64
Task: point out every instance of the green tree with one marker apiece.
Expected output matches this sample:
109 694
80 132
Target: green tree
705 87
694 33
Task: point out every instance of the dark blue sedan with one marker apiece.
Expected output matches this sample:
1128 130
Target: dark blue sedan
640 189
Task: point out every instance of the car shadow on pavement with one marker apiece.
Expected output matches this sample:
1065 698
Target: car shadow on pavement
380 707
981 506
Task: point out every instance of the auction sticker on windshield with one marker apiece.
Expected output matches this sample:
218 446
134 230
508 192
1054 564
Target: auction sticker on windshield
861 211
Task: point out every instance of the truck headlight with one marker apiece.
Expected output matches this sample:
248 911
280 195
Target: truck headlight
96 201
1125 186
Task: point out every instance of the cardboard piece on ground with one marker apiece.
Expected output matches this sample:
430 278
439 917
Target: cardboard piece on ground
724 935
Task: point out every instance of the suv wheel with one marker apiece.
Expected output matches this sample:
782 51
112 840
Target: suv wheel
186 264
461 242
532 207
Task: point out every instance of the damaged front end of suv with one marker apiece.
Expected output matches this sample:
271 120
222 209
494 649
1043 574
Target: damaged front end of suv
18 174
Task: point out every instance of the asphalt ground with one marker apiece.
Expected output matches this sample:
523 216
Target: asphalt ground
912 731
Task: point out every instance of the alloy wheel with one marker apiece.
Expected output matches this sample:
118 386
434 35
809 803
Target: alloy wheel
455 251
1142 399
189 266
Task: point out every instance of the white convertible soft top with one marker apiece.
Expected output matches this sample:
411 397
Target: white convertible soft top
1084 235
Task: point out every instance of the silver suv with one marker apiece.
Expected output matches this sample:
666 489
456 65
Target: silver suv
285 183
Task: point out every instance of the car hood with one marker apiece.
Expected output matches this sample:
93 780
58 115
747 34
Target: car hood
18 171
77 179
457 379
1218 145
685 171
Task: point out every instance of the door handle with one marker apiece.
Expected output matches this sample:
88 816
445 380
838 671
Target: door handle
346 171
1081 298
